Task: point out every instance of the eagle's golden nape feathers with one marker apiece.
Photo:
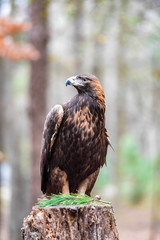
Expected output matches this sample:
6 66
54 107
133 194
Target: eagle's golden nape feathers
75 140
88 83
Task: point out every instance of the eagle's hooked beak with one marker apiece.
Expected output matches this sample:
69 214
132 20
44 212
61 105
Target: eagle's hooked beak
75 81
71 81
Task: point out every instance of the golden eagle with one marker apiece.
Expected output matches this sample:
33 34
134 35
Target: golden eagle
75 141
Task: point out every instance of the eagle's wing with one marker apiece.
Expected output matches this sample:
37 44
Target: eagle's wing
51 128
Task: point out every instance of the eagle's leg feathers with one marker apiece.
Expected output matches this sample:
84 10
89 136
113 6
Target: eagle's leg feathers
83 186
58 182
65 187
87 184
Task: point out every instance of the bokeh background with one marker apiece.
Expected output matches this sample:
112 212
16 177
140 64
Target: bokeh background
42 43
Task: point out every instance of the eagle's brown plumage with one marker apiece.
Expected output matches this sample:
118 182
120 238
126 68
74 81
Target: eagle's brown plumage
75 140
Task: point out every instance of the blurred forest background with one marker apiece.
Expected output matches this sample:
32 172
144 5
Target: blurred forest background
42 43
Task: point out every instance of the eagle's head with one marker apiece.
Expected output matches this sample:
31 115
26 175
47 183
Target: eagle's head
88 84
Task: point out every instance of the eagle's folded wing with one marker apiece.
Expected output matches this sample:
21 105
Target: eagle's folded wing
51 128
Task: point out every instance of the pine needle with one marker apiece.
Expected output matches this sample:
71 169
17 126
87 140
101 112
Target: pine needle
68 199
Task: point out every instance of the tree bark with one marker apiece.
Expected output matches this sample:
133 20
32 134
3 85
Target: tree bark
38 88
87 222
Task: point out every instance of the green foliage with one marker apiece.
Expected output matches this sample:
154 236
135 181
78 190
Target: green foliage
68 199
136 171
156 177
133 20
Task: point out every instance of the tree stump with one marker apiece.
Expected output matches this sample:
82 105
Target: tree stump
85 222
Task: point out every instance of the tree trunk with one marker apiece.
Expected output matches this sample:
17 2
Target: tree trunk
38 86
87 222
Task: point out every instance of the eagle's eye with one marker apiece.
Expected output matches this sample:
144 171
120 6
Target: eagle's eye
86 79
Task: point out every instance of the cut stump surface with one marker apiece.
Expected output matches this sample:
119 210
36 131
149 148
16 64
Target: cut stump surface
81 222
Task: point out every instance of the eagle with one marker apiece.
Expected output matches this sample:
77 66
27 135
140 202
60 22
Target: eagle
75 140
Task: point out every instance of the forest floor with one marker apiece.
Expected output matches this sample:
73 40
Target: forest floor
134 223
